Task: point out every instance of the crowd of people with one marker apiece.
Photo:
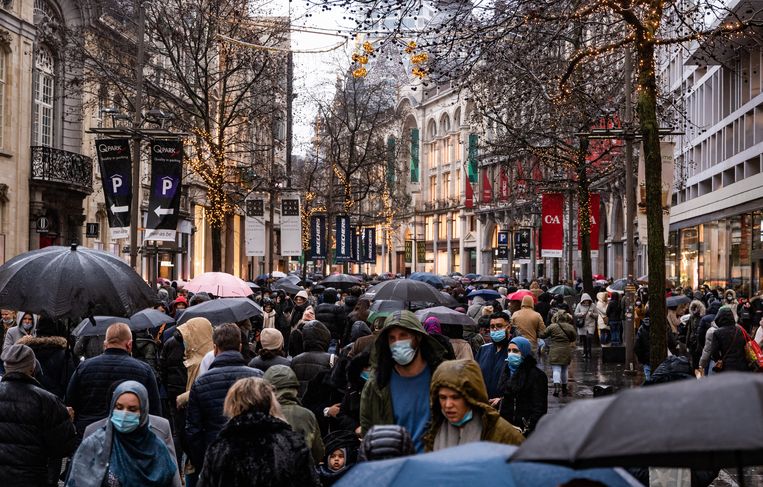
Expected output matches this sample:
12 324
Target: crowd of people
302 392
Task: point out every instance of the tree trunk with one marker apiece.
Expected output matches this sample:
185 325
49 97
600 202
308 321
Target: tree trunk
584 219
217 248
647 111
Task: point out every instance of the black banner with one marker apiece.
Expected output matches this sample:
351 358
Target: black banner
355 244
317 237
408 251
522 243
502 253
344 239
164 198
369 245
116 177
421 252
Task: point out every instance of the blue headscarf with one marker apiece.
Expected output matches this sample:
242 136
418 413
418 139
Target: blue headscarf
524 346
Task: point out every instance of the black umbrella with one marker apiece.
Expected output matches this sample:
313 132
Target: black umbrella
446 316
98 326
676 301
486 280
150 318
448 300
406 290
223 310
284 284
72 282
341 281
709 423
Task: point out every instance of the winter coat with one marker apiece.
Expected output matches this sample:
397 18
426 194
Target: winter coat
15 333
314 359
376 399
559 334
264 364
642 347
334 318
528 322
464 377
89 347
704 324
728 344
145 349
525 395
301 419
173 373
601 310
587 313
204 418
34 428
492 362
461 349
614 311
56 361
257 450
544 307
734 304
88 388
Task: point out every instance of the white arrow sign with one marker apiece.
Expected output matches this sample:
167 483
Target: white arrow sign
119 209
164 211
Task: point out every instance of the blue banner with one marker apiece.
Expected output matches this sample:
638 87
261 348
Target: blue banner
355 244
369 246
344 238
317 237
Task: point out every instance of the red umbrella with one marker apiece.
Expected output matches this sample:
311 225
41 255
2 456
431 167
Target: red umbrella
598 277
517 296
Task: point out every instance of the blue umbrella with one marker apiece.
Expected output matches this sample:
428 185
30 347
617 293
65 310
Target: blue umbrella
480 463
427 277
484 294
471 276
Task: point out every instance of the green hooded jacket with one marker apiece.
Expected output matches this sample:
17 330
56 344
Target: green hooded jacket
465 377
376 400
301 419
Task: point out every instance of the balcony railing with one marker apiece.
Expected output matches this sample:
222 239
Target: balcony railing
62 167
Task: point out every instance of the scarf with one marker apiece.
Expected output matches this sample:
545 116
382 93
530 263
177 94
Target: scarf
269 319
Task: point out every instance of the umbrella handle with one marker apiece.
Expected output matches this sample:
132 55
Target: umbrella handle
91 318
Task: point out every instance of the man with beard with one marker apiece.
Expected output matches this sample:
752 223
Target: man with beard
492 356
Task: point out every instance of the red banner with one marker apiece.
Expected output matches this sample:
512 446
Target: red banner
594 200
552 239
469 203
487 187
504 185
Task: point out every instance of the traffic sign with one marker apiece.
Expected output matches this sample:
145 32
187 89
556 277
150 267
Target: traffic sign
43 224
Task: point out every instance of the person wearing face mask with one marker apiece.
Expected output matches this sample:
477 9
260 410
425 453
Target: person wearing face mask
559 336
460 411
524 387
129 448
8 318
491 357
402 362
26 325
730 301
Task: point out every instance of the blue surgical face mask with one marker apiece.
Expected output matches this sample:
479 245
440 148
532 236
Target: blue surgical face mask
514 360
125 421
364 375
498 335
467 417
402 352
27 326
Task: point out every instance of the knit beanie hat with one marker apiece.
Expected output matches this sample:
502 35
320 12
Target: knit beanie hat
271 339
18 358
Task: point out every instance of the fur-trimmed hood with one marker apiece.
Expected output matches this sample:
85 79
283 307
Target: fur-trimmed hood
38 343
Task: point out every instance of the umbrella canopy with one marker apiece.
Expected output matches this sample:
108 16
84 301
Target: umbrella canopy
446 316
277 274
659 426
405 290
600 282
381 308
676 301
449 281
599 277
102 323
448 300
341 281
72 282
150 318
645 280
487 280
429 278
618 286
563 290
224 310
484 294
480 463
252 285
517 296
219 284
285 285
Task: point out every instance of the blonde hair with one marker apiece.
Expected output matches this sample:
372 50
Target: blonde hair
118 334
252 393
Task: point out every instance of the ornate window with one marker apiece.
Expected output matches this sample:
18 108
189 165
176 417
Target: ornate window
44 88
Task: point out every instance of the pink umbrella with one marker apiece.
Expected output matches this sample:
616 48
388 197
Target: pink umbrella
219 284
517 296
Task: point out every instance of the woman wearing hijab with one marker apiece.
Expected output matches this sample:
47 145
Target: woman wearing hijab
124 451
524 387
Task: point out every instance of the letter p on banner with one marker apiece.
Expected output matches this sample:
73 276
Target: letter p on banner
553 225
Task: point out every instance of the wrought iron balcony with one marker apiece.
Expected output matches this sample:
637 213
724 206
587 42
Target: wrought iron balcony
69 169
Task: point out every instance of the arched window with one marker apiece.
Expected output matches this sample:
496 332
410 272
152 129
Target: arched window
44 89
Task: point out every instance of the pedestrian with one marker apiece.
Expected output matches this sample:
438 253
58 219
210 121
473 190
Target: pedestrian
271 351
586 319
315 359
642 347
726 345
88 387
365 343
341 454
730 300
434 329
460 411
559 335
301 419
528 322
178 306
333 317
384 442
130 448
56 360
205 418
461 348
8 320
256 447
402 364
360 312
35 427
295 346
614 315
301 303
492 356
602 320
543 307
26 325
524 387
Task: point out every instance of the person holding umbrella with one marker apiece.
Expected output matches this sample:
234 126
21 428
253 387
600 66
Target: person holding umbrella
524 387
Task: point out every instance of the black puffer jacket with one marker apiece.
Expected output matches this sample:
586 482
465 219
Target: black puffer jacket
728 344
57 362
314 359
525 395
334 318
205 418
173 372
89 386
254 449
34 427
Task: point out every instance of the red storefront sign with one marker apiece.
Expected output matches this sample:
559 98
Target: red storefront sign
469 203
487 187
593 204
504 185
552 240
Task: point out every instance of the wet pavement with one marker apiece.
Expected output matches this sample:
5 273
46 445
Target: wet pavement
584 375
